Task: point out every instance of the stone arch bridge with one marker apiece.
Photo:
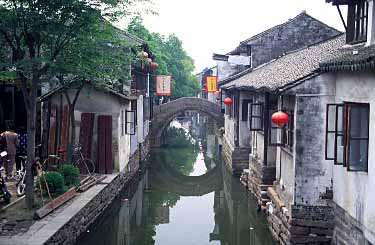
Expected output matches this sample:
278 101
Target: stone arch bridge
165 113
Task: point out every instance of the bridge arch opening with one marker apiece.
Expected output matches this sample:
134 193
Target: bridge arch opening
164 114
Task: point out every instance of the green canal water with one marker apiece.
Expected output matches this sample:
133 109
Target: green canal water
183 196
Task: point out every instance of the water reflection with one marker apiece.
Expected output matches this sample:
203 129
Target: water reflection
184 196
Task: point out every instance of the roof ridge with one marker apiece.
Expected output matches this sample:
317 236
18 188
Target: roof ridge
285 55
273 27
303 13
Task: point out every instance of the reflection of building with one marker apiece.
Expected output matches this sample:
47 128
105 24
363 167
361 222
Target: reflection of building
161 215
235 214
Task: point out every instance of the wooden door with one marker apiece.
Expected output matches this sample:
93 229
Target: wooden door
104 159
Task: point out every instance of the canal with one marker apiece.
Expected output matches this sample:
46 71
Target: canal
182 196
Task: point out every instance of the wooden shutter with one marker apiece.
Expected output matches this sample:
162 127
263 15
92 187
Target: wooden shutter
86 132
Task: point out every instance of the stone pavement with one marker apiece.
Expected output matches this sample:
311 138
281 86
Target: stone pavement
42 230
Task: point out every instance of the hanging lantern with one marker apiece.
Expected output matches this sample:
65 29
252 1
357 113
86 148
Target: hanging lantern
280 118
154 65
228 101
142 54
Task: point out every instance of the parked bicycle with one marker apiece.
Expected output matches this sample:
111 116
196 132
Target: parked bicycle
4 193
85 165
21 177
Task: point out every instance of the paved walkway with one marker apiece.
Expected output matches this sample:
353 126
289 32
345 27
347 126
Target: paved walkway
43 229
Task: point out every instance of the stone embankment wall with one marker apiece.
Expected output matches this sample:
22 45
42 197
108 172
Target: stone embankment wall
87 215
237 159
260 178
300 224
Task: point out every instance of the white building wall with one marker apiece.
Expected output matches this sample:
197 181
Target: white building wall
105 104
124 139
353 190
229 130
140 124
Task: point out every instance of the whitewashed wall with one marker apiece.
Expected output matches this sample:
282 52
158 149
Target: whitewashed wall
353 191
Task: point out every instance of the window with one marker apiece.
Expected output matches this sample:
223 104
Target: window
256 117
351 135
358 135
245 110
130 119
330 132
222 97
133 107
235 104
357 21
289 131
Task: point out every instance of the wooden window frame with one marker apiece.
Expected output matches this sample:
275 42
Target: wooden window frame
349 138
344 110
236 105
328 132
133 106
260 117
245 109
127 122
357 22
289 131
222 105
340 134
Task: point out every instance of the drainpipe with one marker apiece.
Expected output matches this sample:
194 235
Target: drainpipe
266 126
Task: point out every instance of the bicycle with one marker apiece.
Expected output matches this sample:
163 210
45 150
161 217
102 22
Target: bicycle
84 164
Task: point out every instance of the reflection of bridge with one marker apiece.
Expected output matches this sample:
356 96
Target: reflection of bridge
171 180
165 113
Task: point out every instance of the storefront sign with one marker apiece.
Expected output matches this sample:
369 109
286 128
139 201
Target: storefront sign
163 85
211 84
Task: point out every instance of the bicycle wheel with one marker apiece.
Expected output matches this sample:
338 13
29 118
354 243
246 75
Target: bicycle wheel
87 165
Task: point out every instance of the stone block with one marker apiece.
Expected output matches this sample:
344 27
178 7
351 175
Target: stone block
311 223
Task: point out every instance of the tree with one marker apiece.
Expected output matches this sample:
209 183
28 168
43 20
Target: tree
101 60
37 32
171 58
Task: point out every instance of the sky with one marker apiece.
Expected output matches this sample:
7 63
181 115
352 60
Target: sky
218 26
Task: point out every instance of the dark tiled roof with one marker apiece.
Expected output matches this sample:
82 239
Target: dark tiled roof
289 68
278 27
354 58
106 89
234 76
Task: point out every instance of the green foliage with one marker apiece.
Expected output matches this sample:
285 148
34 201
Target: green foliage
44 39
179 138
55 182
70 174
172 59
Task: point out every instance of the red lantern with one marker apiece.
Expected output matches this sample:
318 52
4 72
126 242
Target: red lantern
280 118
228 101
154 65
